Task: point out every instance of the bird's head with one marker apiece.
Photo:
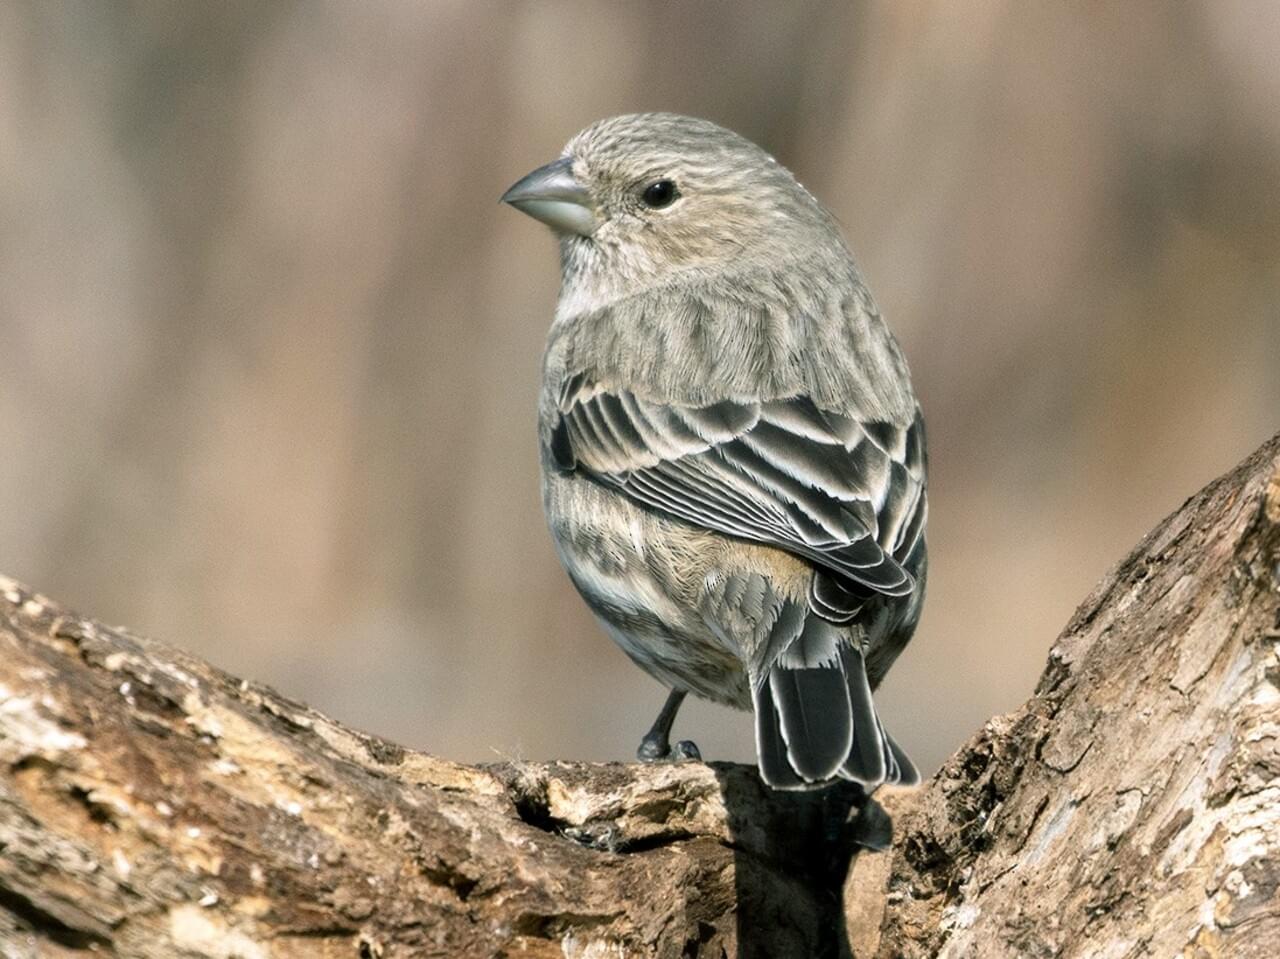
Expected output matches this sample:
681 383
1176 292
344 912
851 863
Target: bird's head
650 198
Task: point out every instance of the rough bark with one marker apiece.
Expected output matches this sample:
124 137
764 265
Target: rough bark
1132 806
151 805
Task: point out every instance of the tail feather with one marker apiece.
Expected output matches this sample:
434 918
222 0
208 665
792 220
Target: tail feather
770 746
907 774
816 723
814 715
866 762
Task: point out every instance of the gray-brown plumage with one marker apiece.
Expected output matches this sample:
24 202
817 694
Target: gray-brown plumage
733 458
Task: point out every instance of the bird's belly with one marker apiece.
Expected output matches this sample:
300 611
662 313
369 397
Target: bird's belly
641 575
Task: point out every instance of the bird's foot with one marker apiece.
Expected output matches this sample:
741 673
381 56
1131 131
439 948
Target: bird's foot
854 815
659 750
872 828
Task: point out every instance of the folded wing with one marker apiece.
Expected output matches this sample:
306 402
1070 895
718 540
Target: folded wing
843 493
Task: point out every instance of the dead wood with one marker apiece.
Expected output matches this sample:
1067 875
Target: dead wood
153 806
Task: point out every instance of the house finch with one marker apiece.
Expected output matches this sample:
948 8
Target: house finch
733 458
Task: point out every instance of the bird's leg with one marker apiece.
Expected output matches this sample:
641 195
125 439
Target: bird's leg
656 745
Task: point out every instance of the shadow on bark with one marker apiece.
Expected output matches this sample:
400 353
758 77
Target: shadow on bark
792 852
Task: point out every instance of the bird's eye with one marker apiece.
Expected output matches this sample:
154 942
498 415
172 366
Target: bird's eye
660 193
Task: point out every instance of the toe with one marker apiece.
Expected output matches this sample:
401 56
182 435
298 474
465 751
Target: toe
873 829
652 751
686 750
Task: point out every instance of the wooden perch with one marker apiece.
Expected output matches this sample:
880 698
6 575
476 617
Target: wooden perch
152 806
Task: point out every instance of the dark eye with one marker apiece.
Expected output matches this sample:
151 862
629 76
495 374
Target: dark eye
660 193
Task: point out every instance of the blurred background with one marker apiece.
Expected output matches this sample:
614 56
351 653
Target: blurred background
269 346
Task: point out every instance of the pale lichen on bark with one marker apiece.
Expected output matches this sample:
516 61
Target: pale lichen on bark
152 806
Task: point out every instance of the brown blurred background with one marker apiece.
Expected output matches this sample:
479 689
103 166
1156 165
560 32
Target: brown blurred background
269 346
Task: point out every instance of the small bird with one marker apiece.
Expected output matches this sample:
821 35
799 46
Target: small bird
733 459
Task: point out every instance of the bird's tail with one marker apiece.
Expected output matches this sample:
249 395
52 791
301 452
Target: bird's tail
817 723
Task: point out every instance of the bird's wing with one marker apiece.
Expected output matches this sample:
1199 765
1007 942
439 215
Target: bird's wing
845 493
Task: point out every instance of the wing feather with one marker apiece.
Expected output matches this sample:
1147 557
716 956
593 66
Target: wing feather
844 494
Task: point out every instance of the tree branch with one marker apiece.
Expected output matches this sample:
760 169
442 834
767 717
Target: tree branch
1132 806
151 805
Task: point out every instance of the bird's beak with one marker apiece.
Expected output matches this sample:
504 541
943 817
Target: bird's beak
552 195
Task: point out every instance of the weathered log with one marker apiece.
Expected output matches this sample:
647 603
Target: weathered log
1132 806
153 806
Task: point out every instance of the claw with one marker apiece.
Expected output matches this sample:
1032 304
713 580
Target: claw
872 828
652 750
660 751
686 750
